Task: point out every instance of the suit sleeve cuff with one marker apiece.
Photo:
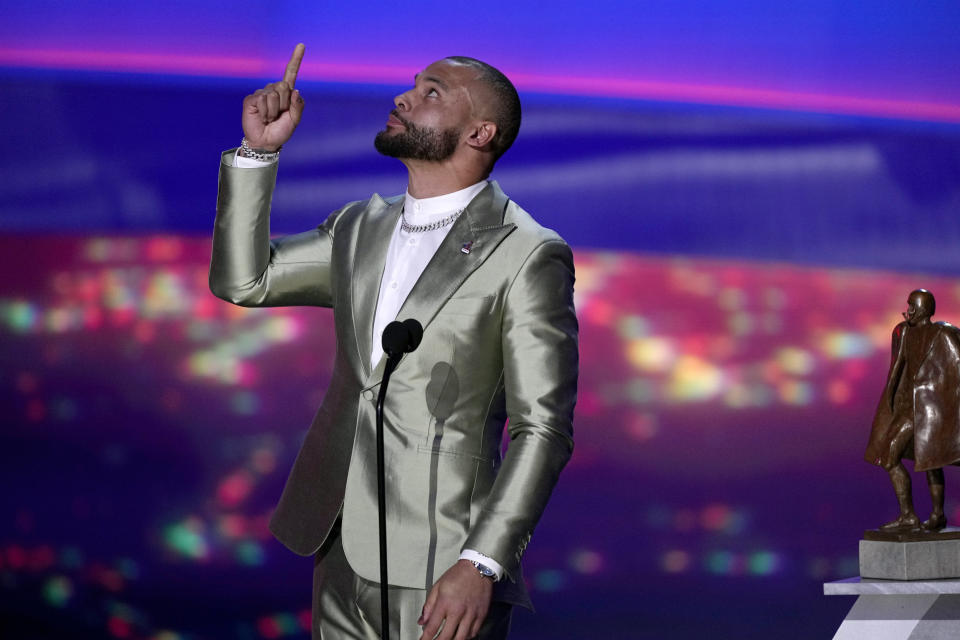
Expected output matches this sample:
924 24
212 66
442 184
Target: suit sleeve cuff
475 556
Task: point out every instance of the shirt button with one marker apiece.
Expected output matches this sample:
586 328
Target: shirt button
393 285
368 394
413 241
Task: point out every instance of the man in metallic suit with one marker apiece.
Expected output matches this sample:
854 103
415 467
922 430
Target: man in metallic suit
494 293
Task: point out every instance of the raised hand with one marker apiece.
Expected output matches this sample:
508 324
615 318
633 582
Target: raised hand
271 114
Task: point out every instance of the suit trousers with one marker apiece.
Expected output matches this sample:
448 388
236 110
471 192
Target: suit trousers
346 606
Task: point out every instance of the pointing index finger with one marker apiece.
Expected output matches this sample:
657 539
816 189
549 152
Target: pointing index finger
293 67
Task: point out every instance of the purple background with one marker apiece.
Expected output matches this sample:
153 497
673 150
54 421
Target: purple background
751 190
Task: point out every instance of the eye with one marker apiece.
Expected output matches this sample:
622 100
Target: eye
433 93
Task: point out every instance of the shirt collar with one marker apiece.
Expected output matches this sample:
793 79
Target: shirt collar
419 210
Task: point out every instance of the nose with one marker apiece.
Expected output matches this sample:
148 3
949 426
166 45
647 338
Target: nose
402 102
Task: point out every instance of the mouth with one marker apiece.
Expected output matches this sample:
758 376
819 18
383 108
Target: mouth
393 120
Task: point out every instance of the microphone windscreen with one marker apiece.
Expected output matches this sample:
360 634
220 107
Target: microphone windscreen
415 330
402 337
395 339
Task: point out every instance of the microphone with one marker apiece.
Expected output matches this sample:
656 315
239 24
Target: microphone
398 338
402 337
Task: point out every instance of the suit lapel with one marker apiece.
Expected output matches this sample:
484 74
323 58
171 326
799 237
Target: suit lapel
471 240
480 229
373 241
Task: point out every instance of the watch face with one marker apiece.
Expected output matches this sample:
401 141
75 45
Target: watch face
485 570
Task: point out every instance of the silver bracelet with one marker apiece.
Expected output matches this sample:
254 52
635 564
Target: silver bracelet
258 154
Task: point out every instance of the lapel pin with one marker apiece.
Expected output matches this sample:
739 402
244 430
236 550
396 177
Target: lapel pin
466 248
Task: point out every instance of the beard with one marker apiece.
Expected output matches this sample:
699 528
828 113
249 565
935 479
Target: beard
417 143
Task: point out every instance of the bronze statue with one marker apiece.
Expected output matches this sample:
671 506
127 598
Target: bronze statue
919 413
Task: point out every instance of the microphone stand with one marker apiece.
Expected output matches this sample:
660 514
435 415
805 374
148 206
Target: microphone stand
392 361
398 338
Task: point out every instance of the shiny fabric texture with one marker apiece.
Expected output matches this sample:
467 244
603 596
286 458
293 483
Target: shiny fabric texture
929 397
347 607
500 343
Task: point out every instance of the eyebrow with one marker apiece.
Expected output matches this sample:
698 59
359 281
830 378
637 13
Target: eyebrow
433 79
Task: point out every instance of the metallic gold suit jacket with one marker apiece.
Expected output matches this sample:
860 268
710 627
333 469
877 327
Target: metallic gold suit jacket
499 344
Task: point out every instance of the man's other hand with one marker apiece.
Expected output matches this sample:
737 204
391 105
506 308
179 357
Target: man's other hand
271 114
459 601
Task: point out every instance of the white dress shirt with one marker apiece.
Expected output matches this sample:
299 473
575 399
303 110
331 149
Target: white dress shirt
410 252
407 257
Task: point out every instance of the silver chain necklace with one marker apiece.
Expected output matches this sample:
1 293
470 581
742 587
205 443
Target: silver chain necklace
433 226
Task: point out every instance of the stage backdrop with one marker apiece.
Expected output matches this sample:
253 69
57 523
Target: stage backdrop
751 191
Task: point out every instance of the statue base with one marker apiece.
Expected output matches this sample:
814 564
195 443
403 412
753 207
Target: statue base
911 556
949 533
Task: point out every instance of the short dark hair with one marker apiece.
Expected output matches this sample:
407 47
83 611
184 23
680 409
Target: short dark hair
506 107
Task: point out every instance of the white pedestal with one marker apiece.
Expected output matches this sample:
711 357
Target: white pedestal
899 610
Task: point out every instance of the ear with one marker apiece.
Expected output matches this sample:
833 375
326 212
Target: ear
482 134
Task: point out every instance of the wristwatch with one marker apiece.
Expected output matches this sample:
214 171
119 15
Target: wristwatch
484 570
